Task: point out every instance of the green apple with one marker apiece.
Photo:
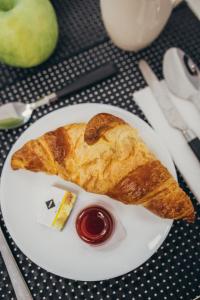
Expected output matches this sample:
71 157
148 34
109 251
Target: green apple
28 32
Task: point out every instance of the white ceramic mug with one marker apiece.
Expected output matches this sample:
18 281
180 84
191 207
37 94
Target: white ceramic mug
134 24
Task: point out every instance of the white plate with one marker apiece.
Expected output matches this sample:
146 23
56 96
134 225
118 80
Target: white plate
195 7
63 253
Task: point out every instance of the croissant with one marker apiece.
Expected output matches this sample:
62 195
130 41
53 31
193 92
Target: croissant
106 156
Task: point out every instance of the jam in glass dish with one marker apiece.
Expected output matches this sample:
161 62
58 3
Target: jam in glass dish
94 225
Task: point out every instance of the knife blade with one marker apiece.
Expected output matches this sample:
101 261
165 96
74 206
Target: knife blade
169 110
20 287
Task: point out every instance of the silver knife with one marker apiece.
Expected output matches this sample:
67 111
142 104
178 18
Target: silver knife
19 285
171 113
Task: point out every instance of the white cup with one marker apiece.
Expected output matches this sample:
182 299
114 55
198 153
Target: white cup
134 24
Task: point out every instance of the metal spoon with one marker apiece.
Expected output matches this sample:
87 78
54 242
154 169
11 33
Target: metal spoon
15 114
182 75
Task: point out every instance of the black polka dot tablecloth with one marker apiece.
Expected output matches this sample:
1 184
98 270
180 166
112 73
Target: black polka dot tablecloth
173 272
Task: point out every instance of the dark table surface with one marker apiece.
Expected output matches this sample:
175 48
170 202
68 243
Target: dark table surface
173 272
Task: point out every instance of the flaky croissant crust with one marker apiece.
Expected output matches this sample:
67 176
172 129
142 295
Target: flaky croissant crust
106 156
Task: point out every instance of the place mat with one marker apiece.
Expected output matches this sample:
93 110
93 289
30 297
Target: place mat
173 272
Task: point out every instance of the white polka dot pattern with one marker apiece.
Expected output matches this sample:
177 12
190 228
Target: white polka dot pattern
174 271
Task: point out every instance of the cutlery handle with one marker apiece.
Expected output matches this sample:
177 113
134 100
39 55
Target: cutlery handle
196 100
85 80
195 146
20 287
88 79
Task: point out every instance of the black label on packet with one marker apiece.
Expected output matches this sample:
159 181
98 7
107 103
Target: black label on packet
50 203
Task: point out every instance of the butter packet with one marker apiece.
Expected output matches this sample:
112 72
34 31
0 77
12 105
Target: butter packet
56 208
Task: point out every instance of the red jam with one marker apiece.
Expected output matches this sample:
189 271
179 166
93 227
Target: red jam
94 225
